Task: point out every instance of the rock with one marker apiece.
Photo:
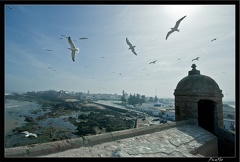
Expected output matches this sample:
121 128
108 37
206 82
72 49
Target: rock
29 119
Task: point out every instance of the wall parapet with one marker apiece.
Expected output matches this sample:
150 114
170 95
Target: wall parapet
58 146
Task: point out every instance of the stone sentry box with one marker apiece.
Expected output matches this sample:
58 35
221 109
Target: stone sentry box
199 98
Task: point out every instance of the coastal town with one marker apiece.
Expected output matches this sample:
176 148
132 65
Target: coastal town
63 115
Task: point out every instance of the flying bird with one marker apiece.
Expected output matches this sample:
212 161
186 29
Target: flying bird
153 62
175 28
11 8
83 38
196 58
64 36
73 48
131 46
214 39
29 134
48 50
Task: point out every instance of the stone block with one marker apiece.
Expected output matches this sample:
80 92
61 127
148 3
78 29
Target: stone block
20 151
97 139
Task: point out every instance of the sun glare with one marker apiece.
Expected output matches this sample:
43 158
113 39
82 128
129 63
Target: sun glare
180 10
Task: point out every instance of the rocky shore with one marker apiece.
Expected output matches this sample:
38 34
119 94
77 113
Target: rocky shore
59 120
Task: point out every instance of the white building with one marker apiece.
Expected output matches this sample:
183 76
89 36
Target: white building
168 114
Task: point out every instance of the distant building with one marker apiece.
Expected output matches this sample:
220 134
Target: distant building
158 105
229 124
168 114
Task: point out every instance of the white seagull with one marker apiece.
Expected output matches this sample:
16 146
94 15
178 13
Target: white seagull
29 134
73 48
175 28
131 46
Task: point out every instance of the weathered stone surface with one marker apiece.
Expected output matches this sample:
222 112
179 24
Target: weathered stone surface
186 140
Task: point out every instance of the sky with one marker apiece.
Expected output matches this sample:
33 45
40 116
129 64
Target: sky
104 63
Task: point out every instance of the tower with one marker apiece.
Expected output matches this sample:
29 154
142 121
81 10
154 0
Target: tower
199 98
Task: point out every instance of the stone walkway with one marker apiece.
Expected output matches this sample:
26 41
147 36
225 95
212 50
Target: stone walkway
181 141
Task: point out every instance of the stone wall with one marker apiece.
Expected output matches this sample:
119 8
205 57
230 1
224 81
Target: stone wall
226 143
57 146
186 107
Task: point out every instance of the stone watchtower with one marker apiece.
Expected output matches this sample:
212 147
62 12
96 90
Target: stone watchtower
199 98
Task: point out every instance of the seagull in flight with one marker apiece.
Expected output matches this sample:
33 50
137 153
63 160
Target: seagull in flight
131 46
195 58
73 48
214 39
48 50
29 134
63 36
11 8
175 28
153 62
83 38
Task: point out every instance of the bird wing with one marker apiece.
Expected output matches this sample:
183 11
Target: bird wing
33 134
73 55
134 51
196 58
128 42
214 39
70 42
26 132
170 32
178 22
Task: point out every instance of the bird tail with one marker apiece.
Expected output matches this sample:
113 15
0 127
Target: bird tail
78 50
178 30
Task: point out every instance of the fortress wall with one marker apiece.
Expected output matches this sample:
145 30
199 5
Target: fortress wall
208 149
58 146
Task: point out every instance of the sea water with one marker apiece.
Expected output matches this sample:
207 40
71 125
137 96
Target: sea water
15 115
16 111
